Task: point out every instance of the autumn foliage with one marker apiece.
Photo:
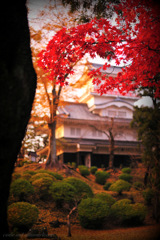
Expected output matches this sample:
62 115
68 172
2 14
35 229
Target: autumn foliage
134 39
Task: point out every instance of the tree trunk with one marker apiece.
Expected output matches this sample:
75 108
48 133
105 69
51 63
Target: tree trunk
68 221
111 150
52 157
18 84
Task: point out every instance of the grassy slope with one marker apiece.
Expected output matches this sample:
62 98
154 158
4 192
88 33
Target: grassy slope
48 213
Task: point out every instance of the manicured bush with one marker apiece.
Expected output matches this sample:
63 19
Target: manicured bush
41 175
92 213
126 170
83 170
73 165
126 177
107 198
41 187
101 177
53 174
93 169
82 189
26 176
21 189
107 185
30 172
15 176
22 215
148 195
138 185
119 186
129 214
62 192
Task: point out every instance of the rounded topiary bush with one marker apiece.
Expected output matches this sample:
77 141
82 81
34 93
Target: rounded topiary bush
107 198
15 176
126 177
41 175
138 185
26 176
119 186
30 172
92 213
21 189
22 215
82 189
126 170
128 214
148 195
107 185
93 169
101 177
62 192
53 174
84 171
41 187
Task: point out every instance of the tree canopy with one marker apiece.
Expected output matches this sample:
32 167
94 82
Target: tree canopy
132 40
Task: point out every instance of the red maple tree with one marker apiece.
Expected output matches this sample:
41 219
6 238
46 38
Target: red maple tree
134 39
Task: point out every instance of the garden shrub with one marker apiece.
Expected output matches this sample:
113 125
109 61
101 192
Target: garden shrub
41 175
101 177
119 186
26 176
41 187
21 189
148 195
62 192
83 170
128 214
138 185
15 176
92 213
22 215
30 172
126 177
82 189
107 185
126 170
107 198
93 169
53 174
73 165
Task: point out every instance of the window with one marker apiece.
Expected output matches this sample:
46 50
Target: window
75 131
111 113
122 114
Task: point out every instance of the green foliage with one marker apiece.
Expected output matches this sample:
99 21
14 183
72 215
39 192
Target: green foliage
107 185
15 176
62 192
129 214
53 174
101 177
107 198
83 170
82 189
126 170
92 213
138 185
41 175
93 169
22 215
26 176
126 177
21 189
41 187
148 195
30 172
119 186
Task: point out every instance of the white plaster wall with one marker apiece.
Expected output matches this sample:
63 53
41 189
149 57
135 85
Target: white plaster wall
60 132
